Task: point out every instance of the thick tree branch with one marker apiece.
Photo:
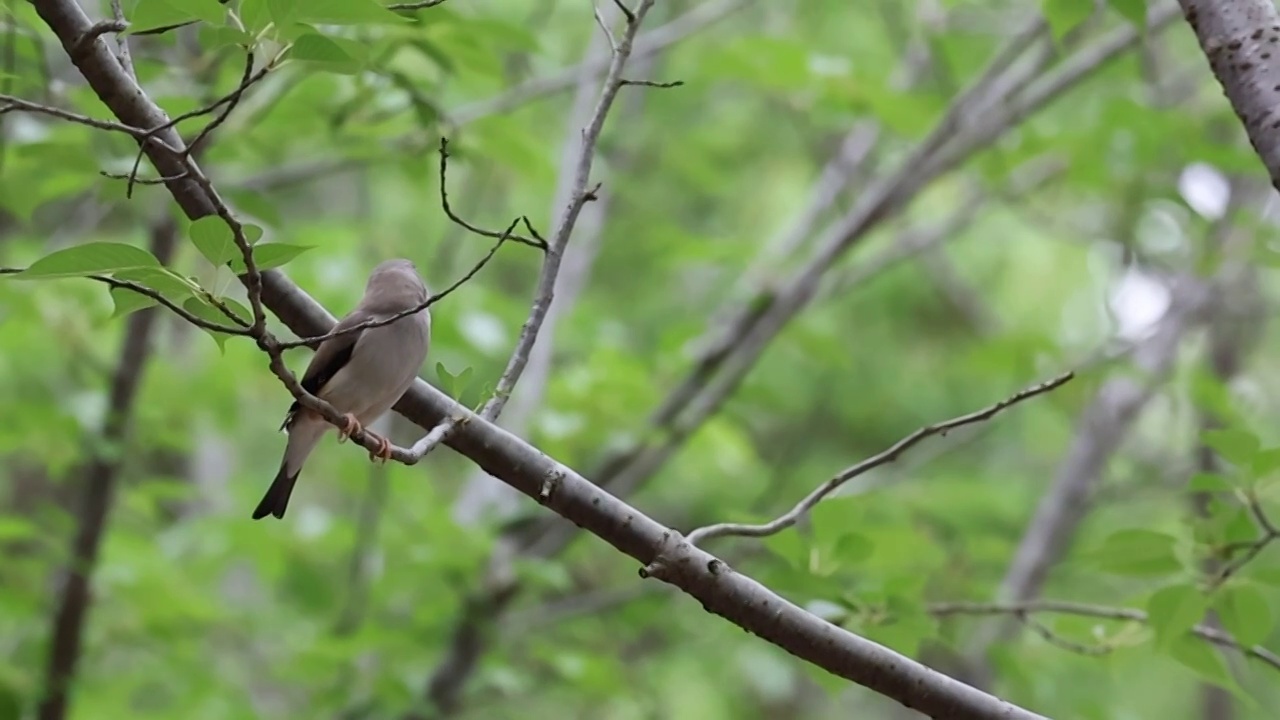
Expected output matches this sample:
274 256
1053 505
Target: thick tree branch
1239 39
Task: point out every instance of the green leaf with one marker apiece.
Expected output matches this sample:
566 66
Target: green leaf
446 381
1266 461
853 548
214 239
346 12
1065 15
17 528
256 15
1135 11
163 280
1245 612
1173 610
1209 482
205 310
832 517
905 628
127 301
1234 445
152 14
211 11
89 259
214 38
789 546
1204 659
283 12
337 55
1138 552
255 205
269 255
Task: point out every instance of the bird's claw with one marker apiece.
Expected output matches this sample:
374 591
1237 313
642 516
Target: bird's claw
383 453
350 426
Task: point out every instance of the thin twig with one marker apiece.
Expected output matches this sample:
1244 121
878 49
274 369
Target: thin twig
1251 549
579 196
432 300
536 239
9 103
156 296
416 5
789 518
230 100
1204 632
653 83
122 42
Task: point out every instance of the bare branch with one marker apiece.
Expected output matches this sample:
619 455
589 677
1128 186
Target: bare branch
579 195
653 83
415 5
1205 632
122 42
536 239
888 455
8 103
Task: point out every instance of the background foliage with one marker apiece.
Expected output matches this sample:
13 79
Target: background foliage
345 607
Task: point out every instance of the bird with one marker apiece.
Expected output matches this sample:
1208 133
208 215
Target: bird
361 373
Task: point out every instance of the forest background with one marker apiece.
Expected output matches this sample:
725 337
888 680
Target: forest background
956 311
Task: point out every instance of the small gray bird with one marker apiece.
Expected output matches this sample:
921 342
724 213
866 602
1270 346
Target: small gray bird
361 373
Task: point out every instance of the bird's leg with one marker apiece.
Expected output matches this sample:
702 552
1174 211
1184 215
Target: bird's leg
383 452
350 426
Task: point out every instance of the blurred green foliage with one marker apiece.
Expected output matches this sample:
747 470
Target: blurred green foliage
198 612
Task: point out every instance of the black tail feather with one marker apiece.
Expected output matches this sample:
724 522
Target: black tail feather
276 500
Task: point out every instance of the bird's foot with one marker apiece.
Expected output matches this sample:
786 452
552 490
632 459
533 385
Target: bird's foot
383 453
350 426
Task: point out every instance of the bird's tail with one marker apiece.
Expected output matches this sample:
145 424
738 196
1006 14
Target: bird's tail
277 497
303 436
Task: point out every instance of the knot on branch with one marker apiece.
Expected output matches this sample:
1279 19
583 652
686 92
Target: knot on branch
673 556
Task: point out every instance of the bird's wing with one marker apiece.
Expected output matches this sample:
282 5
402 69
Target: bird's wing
332 355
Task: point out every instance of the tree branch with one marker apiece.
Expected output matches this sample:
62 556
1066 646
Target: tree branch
888 455
1205 632
579 195
1238 38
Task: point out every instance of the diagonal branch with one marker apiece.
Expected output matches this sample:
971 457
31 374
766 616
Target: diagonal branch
888 455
